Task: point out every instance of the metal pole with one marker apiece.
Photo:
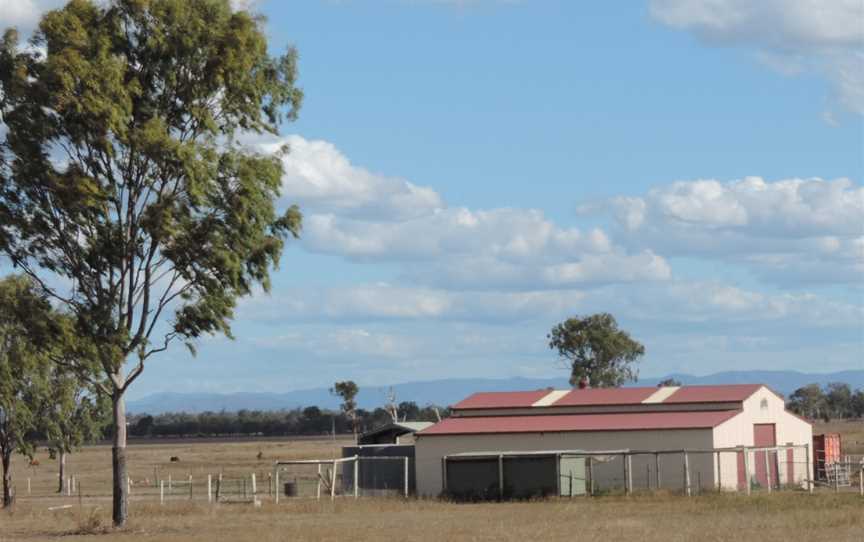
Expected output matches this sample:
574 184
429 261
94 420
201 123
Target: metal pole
500 477
209 488
444 473
719 474
254 486
406 475
591 474
318 490
686 474
808 467
161 491
356 476
629 474
657 468
747 471
276 483
861 481
767 470
333 483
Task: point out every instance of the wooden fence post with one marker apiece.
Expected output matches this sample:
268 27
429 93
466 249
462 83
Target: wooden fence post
767 470
161 491
190 487
318 490
276 484
209 488
747 470
28 486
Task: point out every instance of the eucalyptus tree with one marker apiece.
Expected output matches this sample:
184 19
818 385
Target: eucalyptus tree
347 391
596 350
25 325
125 192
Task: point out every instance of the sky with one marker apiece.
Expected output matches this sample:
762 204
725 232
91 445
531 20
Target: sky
473 172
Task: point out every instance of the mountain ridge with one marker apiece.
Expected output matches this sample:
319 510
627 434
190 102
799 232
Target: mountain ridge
449 391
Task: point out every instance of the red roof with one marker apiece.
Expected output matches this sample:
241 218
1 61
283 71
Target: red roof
502 399
606 396
712 394
579 422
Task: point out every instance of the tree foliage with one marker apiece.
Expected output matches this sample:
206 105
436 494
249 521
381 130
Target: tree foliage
836 400
121 174
347 391
594 348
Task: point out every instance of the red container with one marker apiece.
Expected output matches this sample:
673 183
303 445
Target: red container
826 450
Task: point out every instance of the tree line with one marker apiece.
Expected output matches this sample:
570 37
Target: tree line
836 400
309 421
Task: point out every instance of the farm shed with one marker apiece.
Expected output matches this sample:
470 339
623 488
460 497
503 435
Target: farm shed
393 433
636 437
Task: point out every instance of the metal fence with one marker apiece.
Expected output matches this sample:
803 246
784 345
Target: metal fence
356 476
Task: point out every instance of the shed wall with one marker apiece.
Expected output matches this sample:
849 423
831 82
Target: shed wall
431 449
760 408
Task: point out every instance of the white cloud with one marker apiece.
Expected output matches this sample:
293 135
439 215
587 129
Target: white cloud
791 36
319 176
793 230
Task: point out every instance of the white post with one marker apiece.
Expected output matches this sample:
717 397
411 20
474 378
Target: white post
333 483
629 474
209 488
318 491
406 476
356 476
254 486
69 486
190 487
169 484
747 470
686 474
161 491
767 470
28 486
276 484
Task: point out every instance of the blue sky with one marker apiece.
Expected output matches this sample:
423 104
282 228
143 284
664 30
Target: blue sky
472 172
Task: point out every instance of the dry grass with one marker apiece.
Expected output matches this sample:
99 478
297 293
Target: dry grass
786 517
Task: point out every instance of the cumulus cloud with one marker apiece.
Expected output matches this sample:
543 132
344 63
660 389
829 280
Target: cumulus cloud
792 230
319 176
791 36
670 302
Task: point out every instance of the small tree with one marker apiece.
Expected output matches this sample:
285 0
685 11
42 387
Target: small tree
809 401
596 350
669 382
347 390
123 181
25 329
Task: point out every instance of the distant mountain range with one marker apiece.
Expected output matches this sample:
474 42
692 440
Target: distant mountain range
447 392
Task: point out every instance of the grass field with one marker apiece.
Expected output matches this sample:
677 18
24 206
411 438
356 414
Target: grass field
787 516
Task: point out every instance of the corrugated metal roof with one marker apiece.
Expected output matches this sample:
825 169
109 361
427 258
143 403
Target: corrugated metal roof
606 396
579 422
712 394
502 399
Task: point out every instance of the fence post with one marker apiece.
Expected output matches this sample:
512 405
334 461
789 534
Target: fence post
807 468
28 486
747 470
648 476
767 470
276 484
170 485
406 475
500 477
356 476
318 491
719 474
333 483
209 488
128 485
686 474
190 487
629 474
254 486
219 487
657 468
591 474
161 492
861 481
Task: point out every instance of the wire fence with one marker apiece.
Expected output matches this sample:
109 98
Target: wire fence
356 476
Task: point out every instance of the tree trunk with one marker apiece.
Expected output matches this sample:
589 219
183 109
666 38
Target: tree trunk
62 461
118 460
7 477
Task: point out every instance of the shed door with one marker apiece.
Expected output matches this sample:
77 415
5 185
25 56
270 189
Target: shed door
764 435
